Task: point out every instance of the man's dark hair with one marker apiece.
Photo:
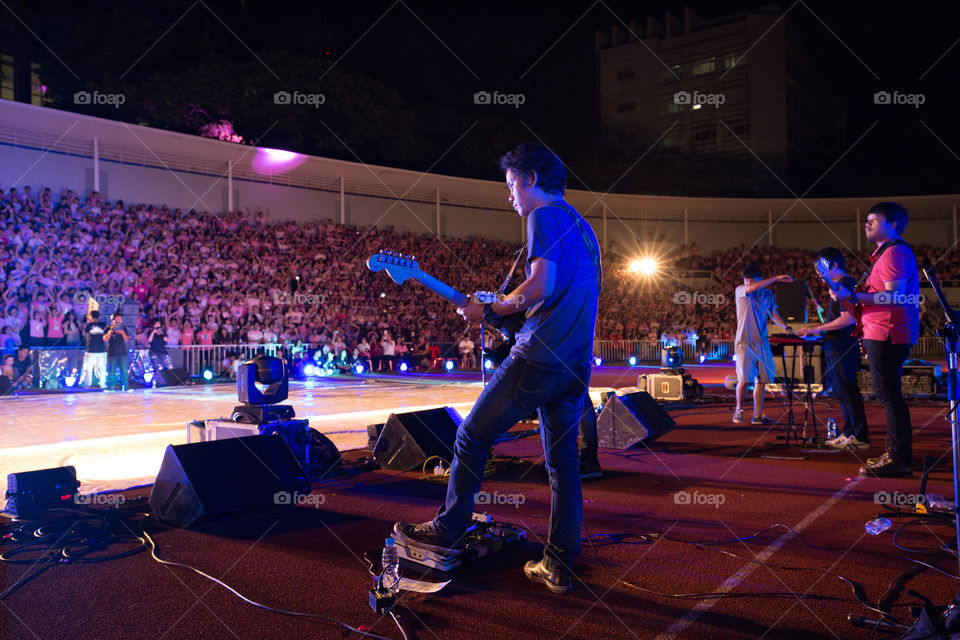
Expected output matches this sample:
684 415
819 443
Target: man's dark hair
833 256
752 272
117 314
530 158
95 314
892 212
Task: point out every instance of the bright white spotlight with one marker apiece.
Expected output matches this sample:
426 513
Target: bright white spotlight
403 367
488 364
633 361
734 358
598 361
703 358
70 381
358 369
449 365
309 370
148 377
207 375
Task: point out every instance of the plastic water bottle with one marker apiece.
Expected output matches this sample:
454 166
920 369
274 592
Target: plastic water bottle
391 565
878 526
831 428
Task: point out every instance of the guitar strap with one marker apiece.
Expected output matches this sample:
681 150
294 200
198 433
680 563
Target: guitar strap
586 240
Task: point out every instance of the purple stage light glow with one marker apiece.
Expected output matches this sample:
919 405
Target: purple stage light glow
271 162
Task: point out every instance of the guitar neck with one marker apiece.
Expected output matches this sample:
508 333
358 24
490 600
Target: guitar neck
442 289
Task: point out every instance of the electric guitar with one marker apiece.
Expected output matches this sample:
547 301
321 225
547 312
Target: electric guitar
856 310
401 268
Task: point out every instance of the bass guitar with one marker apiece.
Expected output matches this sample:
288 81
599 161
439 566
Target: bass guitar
401 268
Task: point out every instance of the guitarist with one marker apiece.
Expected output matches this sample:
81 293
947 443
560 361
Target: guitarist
842 352
548 368
890 298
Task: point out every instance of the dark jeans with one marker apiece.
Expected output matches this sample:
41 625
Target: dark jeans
843 363
588 431
114 363
886 364
518 387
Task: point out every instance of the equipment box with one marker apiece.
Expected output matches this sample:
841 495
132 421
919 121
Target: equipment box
295 432
662 386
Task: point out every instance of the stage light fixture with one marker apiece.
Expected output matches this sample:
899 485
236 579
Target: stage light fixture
147 378
71 381
598 361
449 365
703 358
207 375
309 370
403 367
488 364
633 361
358 369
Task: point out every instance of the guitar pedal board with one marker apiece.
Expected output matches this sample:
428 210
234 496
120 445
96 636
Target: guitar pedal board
483 538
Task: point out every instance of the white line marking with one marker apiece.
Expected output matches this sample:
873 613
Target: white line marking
735 579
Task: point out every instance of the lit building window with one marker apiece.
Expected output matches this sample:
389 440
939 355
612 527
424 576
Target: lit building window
703 67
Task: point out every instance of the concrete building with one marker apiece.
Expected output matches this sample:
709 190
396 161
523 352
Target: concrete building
732 87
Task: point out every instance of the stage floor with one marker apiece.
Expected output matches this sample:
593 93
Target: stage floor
117 439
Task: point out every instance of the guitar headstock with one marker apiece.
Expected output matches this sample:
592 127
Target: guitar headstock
398 266
822 265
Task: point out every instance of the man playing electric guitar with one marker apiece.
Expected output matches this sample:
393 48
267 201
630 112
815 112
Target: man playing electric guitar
891 326
548 368
842 352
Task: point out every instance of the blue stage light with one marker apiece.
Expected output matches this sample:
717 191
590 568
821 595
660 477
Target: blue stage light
358 369
207 375
598 361
488 364
633 361
403 367
449 365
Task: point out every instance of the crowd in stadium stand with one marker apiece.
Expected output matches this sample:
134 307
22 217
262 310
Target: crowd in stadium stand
235 278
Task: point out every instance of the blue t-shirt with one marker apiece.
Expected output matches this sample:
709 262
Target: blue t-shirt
561 329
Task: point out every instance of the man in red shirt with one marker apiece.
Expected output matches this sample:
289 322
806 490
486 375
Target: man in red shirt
891 325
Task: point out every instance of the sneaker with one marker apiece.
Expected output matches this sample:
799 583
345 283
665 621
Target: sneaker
881 459
558 580
423 535
737 417
590 470
889 469
852 444
761 419
840 442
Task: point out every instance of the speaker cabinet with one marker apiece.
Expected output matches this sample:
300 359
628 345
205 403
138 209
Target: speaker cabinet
174 377
205 480
791 300
408 439
630 419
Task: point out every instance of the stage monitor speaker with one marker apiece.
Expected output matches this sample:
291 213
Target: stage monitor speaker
408 439
206 480
630 419
791 300
174 377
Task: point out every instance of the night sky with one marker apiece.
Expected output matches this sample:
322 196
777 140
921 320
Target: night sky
435 55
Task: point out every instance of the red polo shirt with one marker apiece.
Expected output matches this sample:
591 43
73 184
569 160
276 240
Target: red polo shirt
898 323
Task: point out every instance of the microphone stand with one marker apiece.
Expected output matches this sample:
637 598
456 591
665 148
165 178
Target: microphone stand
950 333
